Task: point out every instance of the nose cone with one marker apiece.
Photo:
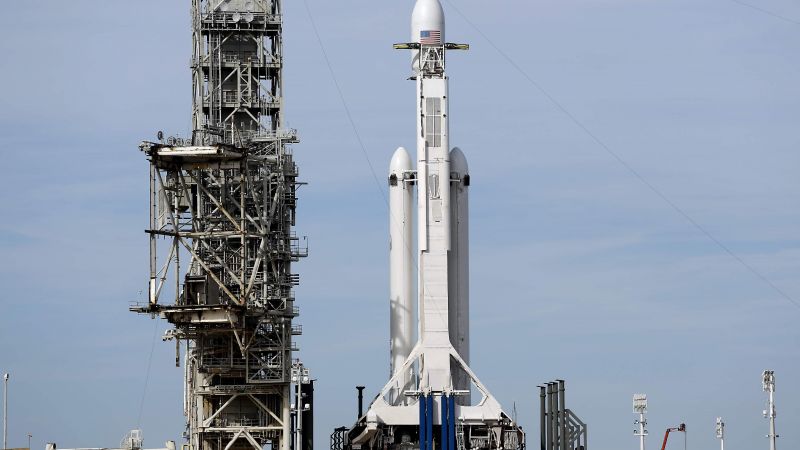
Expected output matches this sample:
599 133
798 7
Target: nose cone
427 22
401 162
458 162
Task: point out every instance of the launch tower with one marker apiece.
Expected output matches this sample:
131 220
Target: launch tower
222 211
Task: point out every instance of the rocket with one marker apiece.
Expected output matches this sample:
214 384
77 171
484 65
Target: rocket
432 399
441 179
430 379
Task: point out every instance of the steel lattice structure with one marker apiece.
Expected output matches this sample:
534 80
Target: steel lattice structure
225 200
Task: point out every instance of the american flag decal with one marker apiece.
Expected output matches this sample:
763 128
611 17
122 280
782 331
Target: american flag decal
430 37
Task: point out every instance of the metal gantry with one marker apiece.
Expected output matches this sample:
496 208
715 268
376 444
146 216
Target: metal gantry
222 212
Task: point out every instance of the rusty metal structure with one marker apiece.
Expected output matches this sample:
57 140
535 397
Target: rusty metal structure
222 212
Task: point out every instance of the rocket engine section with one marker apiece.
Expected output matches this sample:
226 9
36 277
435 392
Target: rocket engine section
427 401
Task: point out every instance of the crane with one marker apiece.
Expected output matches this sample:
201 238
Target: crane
681 428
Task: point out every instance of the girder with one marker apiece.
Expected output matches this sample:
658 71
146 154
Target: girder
221 228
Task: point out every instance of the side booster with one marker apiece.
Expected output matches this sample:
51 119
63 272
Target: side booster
430 379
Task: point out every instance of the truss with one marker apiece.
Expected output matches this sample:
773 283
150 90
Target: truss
221 229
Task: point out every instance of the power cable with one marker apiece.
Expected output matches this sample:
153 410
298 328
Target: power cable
621 161
767 12
147 373
344 104
357 134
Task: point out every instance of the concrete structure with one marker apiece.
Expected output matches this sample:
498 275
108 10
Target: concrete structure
222 211
427 401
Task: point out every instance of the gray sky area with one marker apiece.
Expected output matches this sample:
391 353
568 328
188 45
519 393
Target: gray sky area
578 270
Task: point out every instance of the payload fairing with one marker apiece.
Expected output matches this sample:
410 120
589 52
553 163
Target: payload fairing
431 382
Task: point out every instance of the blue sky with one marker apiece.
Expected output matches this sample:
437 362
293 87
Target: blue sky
579 271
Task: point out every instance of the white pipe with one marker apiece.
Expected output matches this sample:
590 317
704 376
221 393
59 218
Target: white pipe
458 267
642 432
5 411
401 305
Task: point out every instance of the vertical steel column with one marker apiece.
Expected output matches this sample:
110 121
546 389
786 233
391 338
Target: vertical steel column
445 423
551 406
151 287
298 414
771 412
562 414
429 420
360 401
5 411
542 416
451 433
768 383
423 427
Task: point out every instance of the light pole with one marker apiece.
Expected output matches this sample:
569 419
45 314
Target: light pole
29 441
5 411
640 407
721 433
768 384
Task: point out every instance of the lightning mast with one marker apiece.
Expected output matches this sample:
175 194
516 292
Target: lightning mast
768 384
640 407
222 212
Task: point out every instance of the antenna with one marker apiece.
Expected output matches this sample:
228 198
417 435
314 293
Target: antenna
768 384
721 433
640 407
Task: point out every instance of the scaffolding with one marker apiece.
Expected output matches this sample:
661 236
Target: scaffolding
222 212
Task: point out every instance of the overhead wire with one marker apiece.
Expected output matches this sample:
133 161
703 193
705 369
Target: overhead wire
344 103
621 161
767 12
147 373
356 132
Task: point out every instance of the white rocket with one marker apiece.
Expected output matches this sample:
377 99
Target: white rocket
434 363
442 181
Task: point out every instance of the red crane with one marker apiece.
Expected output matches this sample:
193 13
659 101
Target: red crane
681 428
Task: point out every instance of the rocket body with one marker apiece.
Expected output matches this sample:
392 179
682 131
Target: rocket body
431 383
441 220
